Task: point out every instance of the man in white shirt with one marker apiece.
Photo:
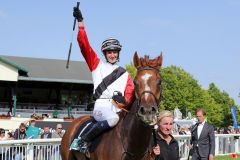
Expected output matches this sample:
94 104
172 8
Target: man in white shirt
202 138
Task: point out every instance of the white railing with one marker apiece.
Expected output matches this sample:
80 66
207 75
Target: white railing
49 149
61 113
224 144
30 149
183 142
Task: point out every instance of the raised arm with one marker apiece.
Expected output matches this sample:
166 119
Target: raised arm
87 51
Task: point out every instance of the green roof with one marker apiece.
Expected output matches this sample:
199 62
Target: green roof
4 60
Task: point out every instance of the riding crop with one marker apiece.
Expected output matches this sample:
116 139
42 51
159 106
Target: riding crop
70 48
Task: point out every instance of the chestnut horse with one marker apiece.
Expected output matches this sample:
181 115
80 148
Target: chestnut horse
130 139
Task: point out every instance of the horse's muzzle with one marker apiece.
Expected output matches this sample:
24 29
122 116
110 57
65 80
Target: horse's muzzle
148 114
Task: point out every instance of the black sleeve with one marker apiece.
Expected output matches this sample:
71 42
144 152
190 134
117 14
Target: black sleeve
15 136
212 140
177 152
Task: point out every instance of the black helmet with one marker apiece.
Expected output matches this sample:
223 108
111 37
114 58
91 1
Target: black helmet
111 44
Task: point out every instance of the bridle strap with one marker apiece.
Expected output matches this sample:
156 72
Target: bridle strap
147 68
157 100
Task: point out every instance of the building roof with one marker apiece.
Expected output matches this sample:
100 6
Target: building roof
50 70
18 67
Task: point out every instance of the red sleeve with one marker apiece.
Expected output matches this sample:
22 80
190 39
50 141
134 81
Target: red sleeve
87 51
129 90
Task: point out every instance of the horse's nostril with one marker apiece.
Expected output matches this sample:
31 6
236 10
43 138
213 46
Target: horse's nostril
154 110
142 110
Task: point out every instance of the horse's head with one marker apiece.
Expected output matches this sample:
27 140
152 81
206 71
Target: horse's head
148 87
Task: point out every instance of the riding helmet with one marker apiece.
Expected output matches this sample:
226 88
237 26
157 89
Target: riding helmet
111 44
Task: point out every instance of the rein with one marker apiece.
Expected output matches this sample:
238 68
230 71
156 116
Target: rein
122 134
157 100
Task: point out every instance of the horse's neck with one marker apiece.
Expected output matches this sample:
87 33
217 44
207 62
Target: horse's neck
137 135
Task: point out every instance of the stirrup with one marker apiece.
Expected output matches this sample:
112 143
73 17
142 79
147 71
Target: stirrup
75 145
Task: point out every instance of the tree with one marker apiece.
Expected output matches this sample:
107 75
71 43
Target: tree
224 102
131 70
181 90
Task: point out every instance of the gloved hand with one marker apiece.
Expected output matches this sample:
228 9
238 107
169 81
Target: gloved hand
77 14
119 98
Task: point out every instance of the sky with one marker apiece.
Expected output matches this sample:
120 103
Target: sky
202 37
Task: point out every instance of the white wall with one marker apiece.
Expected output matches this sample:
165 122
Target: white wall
8 73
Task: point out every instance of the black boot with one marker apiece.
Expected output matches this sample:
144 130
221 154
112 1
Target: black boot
95 131
77 141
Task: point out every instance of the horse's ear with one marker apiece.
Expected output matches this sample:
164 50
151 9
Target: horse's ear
136 60
160 59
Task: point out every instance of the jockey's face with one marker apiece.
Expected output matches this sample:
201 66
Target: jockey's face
111 56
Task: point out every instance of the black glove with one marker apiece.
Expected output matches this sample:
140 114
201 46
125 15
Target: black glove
77 14
119 98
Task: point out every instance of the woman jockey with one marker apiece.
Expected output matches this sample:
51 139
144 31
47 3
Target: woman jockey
111 82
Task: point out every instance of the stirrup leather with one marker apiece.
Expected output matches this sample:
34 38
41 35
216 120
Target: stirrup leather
83 147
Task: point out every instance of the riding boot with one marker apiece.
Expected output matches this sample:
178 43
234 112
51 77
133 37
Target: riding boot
95 131
77 141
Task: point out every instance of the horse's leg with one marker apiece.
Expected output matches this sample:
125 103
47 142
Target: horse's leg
78 156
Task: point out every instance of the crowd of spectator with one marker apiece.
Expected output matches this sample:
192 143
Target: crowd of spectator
28 130
221 130
227 130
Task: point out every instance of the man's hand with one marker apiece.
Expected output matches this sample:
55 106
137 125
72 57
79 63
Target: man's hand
156 150
118 98
210 157
77 14
190 146
121 105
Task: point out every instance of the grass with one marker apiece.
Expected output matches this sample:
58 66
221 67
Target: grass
228 157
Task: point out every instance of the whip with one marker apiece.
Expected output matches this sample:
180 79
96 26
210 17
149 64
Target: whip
70 47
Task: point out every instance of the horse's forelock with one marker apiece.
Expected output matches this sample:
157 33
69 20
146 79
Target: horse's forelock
146 61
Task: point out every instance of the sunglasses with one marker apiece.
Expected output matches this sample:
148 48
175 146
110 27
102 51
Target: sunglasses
59 128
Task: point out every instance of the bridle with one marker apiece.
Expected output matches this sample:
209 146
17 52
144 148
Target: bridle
157 99
135 113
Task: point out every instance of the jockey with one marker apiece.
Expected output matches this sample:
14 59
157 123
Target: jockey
111 84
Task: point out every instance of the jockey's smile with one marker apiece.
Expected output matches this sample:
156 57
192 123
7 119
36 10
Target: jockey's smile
111 56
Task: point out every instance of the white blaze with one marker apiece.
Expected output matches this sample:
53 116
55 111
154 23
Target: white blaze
146 77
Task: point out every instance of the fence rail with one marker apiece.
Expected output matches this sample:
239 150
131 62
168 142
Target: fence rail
49 149
30 149
62 113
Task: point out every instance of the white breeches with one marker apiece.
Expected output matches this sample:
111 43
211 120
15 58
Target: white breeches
105 110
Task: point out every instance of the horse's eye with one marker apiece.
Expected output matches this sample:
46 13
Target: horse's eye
135 82
159 82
